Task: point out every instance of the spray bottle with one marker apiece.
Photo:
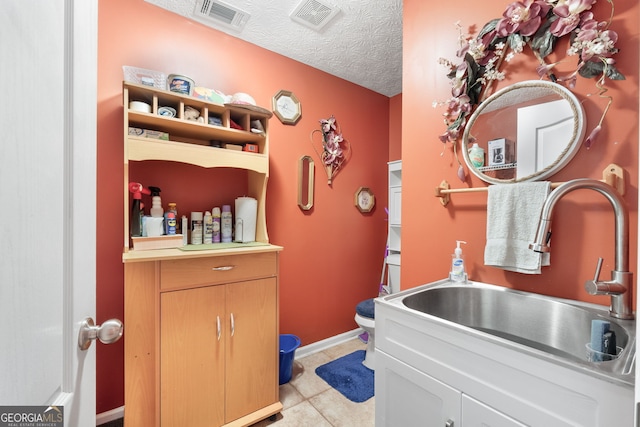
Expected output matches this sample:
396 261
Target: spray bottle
458 272
135 227
156 210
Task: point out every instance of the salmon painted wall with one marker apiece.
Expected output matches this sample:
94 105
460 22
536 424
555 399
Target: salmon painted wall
332 254
395 128
583 220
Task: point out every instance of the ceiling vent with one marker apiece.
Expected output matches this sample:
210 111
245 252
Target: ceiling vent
219 13
313 14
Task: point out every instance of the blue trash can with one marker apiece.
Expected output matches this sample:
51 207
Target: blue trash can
288 345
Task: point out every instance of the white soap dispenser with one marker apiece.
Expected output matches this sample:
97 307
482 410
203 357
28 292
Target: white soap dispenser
458 272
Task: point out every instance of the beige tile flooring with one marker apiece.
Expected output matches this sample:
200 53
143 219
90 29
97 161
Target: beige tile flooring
309 401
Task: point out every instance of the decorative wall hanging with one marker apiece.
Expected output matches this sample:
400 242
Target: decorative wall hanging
538 24
364 199
332 149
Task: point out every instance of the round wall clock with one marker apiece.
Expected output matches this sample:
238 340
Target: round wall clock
286 107
364 199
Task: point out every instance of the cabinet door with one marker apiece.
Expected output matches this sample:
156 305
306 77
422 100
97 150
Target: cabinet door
252 348
477 414
192 357
407 397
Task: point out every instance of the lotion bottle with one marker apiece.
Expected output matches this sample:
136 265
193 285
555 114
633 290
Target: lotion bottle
215 213
458 271
226 224
208 228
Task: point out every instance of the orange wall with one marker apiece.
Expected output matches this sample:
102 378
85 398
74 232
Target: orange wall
583 221
395 128
333 253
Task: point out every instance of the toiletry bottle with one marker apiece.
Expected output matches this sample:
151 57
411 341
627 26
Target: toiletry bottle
156 203
172 207
226 224
185 230
476 155
215 213
207 236
196 228
458 272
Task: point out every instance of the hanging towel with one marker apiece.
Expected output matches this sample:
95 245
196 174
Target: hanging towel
513 213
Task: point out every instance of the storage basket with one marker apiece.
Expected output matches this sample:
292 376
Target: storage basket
145 77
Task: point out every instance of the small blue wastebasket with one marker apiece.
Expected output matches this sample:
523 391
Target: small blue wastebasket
288 345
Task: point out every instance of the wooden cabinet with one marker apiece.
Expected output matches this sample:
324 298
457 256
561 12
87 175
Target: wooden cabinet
201 340
201 352
216 343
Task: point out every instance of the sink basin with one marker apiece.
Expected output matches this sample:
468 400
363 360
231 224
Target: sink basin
559 328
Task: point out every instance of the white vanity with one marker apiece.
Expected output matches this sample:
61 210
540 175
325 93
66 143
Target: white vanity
434 372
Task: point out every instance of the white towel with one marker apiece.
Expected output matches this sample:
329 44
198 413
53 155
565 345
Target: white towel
513 213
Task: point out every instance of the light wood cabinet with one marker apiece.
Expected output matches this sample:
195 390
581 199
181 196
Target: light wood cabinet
201 340
201 353
216 343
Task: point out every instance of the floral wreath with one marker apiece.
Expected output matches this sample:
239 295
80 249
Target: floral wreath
538 24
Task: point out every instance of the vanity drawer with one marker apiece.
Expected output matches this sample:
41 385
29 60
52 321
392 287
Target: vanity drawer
216 270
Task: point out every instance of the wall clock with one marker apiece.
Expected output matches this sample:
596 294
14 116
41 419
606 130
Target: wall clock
286 107
364 199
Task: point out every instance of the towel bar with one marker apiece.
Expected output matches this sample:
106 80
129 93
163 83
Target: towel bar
612 175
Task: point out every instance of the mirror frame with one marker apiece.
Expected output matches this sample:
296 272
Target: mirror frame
571 149
308 186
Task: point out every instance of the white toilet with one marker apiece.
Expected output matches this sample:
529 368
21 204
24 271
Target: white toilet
366 320
365 310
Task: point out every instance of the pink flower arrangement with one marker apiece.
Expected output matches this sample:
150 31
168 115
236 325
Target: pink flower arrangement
334 150
538 24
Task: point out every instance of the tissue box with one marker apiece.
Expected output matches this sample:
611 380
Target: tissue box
501 152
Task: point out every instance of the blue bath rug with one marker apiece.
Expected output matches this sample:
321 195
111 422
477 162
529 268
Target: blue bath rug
349 376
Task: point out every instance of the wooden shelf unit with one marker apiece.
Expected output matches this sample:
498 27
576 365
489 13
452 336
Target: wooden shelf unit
201 346
190 142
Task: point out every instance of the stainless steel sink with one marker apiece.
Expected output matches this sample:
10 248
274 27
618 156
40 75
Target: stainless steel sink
556 327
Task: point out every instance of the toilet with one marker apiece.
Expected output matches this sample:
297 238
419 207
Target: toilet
366 320
365 310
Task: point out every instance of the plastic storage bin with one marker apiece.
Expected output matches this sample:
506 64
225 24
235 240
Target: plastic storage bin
288 345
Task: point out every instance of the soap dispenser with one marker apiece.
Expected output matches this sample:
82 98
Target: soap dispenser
458 271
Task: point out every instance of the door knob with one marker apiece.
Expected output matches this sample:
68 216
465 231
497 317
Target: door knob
108 333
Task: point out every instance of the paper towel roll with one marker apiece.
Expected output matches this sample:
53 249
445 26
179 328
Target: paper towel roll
246 212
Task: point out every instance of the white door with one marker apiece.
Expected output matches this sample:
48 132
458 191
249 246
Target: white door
48 66
543 133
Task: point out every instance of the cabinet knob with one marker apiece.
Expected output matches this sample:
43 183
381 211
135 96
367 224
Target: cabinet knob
218 326
233 325
449 423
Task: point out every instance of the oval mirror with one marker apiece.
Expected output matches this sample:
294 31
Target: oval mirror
528 131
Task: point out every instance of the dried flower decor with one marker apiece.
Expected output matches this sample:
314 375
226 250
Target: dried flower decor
538 24
334 150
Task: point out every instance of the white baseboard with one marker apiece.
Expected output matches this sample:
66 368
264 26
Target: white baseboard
303 351
326 343
111 415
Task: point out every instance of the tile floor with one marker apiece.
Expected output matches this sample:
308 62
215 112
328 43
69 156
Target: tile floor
309 401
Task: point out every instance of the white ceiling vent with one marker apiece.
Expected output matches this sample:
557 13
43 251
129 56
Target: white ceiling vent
219 13
313 14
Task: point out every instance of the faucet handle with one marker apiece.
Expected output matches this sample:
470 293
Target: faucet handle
598 268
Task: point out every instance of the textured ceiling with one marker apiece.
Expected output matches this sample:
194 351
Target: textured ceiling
361 44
